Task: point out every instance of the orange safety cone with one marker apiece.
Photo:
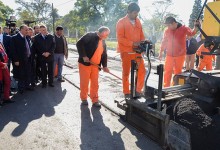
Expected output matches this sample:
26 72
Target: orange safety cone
56 71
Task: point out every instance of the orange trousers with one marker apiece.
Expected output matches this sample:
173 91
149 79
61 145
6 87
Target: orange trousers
172 65
126 66
203 64
89 82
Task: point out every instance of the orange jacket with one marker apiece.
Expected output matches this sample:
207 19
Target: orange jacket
206 58
174 41
127 34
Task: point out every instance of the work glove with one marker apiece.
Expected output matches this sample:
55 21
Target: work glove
201 56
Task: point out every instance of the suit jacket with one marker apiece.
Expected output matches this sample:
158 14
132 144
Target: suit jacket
18 48
19 54
6 43
41 45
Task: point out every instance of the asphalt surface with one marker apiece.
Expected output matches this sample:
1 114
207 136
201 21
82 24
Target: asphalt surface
53 118
110 87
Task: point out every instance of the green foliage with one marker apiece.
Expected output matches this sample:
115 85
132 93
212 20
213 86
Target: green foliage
155 25
24 15
89 15
111 44
5 12
38 10
197 7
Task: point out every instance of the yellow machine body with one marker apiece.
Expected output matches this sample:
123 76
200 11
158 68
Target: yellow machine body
210 25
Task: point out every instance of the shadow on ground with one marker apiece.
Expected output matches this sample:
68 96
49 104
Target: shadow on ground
30 106
94 133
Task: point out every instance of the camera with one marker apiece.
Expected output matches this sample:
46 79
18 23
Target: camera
11 24
144 46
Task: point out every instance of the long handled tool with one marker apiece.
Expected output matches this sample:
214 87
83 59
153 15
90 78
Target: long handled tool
108 72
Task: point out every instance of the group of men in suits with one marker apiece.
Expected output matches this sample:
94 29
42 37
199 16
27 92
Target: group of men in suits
32 53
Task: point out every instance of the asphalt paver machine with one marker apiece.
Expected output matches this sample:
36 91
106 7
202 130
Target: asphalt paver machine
186 115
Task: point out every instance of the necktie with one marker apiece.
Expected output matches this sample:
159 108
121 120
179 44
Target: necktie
28 48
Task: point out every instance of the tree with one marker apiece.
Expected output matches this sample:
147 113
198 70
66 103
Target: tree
197 7
24 15
38 9
5 12
113 11
155 25
88 15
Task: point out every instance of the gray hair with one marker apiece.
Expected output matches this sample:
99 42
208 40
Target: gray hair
103 28
22 26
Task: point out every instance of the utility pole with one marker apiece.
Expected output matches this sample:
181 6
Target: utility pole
53 19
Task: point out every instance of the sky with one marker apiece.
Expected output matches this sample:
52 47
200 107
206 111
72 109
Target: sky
182 8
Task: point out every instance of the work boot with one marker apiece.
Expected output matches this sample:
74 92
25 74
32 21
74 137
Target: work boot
127 96
96 104
138 94
61 80
84 102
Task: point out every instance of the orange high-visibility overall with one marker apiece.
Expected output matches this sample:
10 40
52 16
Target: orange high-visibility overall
127 34
174 42
90 74
206 61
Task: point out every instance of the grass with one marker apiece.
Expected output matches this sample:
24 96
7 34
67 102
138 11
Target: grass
111 44
71 40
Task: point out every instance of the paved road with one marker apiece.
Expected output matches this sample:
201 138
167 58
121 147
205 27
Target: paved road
110 87
52 118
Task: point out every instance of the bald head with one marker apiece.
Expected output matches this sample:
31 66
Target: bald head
24 30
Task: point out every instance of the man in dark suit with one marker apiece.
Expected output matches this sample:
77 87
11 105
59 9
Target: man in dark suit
21 57
44 46
5 40
6 30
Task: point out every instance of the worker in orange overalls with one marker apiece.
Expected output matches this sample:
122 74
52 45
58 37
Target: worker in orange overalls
129 34
92 52
205 60
174 42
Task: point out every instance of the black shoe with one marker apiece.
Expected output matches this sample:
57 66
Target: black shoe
84 102
51 85
61 80
44 85
30 88
139 95
127 96
96 104
33 85
8 101
21 91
